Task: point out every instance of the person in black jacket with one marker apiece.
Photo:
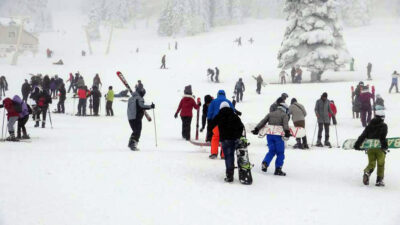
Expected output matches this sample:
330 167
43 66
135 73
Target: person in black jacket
25 89
207 100
230 131
62 92
96 94
42 105
376 129
46 83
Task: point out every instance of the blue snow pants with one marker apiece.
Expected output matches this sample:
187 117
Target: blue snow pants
276 147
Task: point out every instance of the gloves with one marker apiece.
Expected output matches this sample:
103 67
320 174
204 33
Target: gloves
255 131
201 130
238 113
357 147
334 120
176 115
287 134
152 106
199 104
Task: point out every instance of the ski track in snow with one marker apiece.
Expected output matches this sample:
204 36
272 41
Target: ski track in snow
81 172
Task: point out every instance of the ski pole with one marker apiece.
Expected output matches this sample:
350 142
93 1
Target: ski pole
2 128
337 138
315 129
51 123
155 127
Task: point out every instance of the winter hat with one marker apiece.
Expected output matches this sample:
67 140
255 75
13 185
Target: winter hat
380 113
324 95
221 92
207 99
224 105
188 90
361 83
293 101
284 96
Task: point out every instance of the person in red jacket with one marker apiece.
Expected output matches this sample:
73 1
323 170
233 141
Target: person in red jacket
185 108
333 108
83 93
12 116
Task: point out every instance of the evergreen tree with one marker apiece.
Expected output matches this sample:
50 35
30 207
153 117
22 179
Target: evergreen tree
313 37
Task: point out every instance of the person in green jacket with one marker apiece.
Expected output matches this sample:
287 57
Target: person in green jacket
110 99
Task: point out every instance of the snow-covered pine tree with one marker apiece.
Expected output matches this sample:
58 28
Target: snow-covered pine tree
356 12
313 37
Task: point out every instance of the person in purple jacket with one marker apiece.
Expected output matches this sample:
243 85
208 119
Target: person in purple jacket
366 108
53 87
23 118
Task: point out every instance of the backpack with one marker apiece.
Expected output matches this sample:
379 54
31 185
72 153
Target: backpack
42 101
17 107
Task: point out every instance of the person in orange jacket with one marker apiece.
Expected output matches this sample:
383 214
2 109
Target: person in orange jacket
83 93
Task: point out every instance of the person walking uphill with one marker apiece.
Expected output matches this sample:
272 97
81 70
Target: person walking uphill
185 107
377 129
276 143
299 114
136 108
231 130
110 99
322 110
213 111
13 110
239 89
366 108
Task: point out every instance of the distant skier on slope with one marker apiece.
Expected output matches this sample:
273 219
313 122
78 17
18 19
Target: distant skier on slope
216 75
377 129
26 89
210 72
239 89
136 108
260 82
395 79
96 95
298 113
322 110
369 70
163 61
61 100
366 109
110 99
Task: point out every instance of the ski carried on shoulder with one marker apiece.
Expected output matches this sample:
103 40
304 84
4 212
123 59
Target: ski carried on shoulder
393 143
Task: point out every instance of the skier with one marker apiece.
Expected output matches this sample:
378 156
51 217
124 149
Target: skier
49 53
239 89
230 131
207 100
395 78
61 100
251 40
53 87
213 111
185 108
83 93
352 64
13 110
176 45
299 114
110 99
282 77
25 89
377 129
216 75
299 75
322 110
97 81
75 87
23 117
136 109
366 109
280 100
210 72
369 69
260 81
96 95
293 73
276 143
71 82
163 62
80 83
3 86
42 105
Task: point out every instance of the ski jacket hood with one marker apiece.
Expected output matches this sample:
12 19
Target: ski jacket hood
376 129
213 109
221 92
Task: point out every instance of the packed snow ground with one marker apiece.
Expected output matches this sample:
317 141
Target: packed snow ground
81 172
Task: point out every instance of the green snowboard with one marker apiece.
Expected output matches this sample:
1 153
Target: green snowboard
372 143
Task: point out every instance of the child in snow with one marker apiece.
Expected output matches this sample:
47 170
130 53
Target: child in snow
185 107
13 110
230 131
276 144
377 129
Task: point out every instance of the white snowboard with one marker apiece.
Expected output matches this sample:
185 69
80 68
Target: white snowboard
296 132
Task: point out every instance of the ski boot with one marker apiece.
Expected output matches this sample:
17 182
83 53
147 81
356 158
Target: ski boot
328 144
12 137
37 124
213 156
305 146
279 172
264 167
366 177
19 136
379 182
133 144
298 145
229 177
43 124
319 144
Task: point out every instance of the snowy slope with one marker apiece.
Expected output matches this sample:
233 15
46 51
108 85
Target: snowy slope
81 172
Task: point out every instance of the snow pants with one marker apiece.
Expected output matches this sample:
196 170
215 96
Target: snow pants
96 105
239 95
283 80
276 148
215 142
109 109
392 86
229 147
321 127
41 111
60 105
258 88
366 116
186 127
375 156
82 106
21 125
136 126
11 123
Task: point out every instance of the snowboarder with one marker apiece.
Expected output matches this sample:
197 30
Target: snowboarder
43 99
61 100
71 81
13 110
136 108
216 75
377 129
282 77
293 73
96 95
322 110
352 64
83 93
280 100
97 81
230 131
369 69
213 111
207 100
395 78
298 113
109 101
25 89
366 109
163 62
276 144
239 89
260 81
23 117
185 108
210 72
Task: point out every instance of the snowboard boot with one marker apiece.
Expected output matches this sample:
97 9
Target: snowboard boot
279 172
264 167
298 145
229 177
328 144
43 124
366 177
213 156
11 137
37 124
379 182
